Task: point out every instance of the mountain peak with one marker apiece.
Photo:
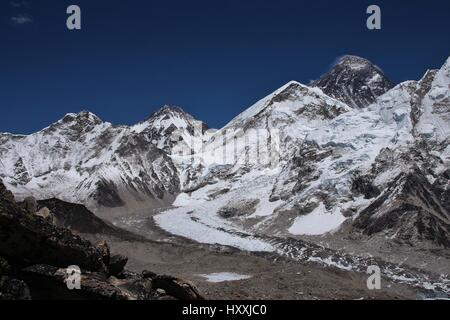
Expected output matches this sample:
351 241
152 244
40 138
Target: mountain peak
170 108
291 102
166 110
83 116
355 81
82 121
354 62
165 126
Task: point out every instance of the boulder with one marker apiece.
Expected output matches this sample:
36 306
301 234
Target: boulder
29 204
239 208
148 274
160 292
176 288
13 289
136 287
45 214
117 264
103 247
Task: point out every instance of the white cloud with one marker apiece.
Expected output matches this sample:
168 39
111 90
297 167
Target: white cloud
22 19
20 4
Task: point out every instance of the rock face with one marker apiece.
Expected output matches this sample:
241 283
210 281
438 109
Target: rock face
37 261
354 81
77 217
116 264
408 210
5 194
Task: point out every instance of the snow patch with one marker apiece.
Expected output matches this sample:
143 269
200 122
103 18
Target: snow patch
318 222
224 276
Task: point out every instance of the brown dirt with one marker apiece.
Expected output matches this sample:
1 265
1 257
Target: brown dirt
271 277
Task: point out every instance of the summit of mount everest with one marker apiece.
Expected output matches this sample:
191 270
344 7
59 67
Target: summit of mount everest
355 81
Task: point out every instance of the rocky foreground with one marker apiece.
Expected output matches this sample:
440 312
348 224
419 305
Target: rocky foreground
35 254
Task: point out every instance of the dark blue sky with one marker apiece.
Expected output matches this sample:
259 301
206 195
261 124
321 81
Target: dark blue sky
214 58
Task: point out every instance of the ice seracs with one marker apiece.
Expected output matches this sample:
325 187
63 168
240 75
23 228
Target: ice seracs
434 121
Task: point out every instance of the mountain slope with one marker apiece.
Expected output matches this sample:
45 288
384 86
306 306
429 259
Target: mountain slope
408 210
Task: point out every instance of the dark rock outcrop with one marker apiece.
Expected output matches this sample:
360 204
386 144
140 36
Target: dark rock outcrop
50 283
26 238
39 260
414 213
5 194
13 289
117 264
77 217
176 288
244 207
103 247
364 185
29 204
163 126
354 81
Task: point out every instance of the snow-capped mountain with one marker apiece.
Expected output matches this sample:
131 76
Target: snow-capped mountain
82 159
349 154
378 171
354 81
170 127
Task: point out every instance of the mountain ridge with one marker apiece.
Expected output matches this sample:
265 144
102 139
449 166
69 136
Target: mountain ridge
323 147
